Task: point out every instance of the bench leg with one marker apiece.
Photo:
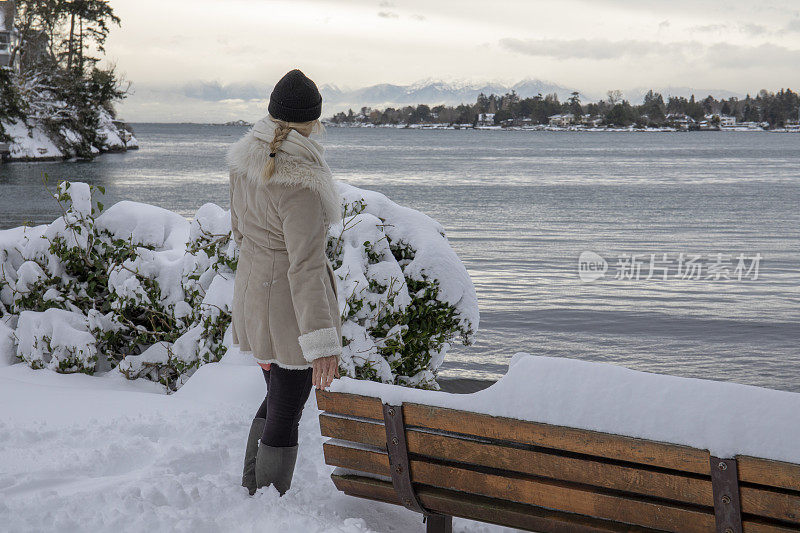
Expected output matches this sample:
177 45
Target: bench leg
439 523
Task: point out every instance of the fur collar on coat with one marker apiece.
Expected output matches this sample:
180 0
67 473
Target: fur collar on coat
299 161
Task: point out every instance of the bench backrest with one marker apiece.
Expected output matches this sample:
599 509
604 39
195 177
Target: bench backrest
520 473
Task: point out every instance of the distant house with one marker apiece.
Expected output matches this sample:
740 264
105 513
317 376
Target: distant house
7 33
486 119
592 121
723 121
750 125
561 121
681 120
793 125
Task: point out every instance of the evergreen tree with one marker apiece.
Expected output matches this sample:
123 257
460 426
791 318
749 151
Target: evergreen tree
574 104
621 114
653 106
482 105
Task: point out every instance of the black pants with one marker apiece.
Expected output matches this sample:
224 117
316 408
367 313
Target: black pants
287 392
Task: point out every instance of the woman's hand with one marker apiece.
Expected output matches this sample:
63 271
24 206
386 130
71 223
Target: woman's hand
325 369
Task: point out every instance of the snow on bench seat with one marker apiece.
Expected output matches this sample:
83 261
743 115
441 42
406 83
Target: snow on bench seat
728 419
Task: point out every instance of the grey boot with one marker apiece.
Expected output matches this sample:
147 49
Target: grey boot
275 466
249 472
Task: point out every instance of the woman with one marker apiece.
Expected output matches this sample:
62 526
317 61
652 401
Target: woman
285 302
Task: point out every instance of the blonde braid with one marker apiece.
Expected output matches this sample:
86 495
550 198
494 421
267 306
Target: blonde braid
282 131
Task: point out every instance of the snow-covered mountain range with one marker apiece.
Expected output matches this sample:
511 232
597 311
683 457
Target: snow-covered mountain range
435 92
431 92
221 102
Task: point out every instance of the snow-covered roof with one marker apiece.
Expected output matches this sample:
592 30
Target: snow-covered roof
680 116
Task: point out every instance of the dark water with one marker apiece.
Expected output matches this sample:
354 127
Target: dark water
520 207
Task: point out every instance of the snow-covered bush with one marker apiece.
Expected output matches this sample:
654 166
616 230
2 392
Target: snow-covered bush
140 290
407 295
56 339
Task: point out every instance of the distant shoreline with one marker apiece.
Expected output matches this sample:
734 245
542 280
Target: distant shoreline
665 129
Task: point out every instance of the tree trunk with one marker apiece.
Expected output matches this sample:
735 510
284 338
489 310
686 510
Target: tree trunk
23 33
80 47
71 40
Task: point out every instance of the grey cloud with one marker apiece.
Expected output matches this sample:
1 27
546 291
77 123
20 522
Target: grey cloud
793 25
588 48
705 28
664 24
728 55
713 9
417 16
749 28
387 14
214 91
754 29
719 55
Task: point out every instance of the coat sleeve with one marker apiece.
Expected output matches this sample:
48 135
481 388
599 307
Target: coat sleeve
237 235
301 213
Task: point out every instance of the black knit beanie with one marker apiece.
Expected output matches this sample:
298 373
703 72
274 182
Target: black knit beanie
295 98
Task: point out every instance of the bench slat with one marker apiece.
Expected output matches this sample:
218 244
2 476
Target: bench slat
616 447
586 471
548 494
674 457
483 509
350 404
687 489
770 473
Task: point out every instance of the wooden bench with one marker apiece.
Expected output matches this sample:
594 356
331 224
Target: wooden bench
538 477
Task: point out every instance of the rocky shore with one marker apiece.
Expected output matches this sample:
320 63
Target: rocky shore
31 141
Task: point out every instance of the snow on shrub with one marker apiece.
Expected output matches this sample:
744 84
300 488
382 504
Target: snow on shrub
56 339
141 290
7 342
407 295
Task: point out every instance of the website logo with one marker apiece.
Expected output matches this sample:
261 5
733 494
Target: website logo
591 266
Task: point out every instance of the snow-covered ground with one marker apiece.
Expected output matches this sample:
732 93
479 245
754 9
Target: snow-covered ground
101 453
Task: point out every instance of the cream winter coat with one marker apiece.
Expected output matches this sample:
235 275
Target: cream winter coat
285 301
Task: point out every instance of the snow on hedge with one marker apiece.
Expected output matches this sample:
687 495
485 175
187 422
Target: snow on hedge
728 419
139 290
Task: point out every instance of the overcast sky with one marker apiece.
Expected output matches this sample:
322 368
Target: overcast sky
189 60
